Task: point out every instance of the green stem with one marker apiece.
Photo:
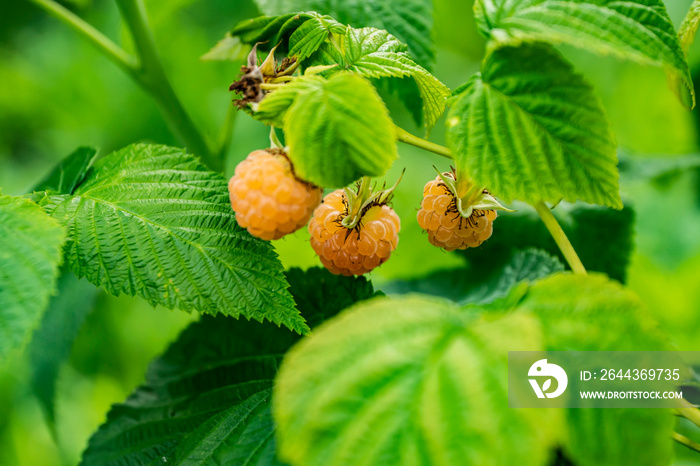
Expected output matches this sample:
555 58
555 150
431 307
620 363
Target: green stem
689 412
152 77
146 70
112 51
560 237
683 440
406 137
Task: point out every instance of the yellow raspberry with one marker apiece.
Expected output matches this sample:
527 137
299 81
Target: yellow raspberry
358 250
446 228
268 199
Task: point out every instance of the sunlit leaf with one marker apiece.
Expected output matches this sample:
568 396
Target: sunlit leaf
528 128
331 141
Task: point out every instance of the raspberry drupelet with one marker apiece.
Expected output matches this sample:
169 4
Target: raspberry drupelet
268 199
446 226
357 250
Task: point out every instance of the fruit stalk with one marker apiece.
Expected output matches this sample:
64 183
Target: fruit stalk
560 238
406 137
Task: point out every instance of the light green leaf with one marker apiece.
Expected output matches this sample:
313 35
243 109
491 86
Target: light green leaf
52 342
30 253
409 20
639 30
690 25
529 128
414 380
227 49
331 141
207 399
593 313
69 172
152 221
375 53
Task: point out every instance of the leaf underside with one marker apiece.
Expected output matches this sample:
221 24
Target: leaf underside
207 399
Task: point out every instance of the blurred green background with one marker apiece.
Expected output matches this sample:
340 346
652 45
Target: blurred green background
57 92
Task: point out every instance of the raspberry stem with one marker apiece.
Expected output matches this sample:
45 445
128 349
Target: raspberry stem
685 441
407 138
144 67
560 238
689 412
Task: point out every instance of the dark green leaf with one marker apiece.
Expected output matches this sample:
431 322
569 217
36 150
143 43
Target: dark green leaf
207 399
30 253
602 237
482 283
634 168
639 30
304 31
152 221
69 173
529 128
331 141
51 343
410 20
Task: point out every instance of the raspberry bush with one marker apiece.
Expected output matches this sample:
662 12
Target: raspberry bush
339 359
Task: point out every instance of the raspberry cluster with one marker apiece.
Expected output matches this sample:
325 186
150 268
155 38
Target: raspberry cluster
268 199
446 227
358 250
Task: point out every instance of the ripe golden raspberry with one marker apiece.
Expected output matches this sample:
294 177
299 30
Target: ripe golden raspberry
268 199
358 250
446 227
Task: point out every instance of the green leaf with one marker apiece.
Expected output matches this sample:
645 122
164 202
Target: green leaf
602 237
69 173
412 380
420 381
331 141
529 128
152 221
410 20
689 27
375 53
305 31
482 282
30 253
52 341
227 49
638 30
207 399
595 314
